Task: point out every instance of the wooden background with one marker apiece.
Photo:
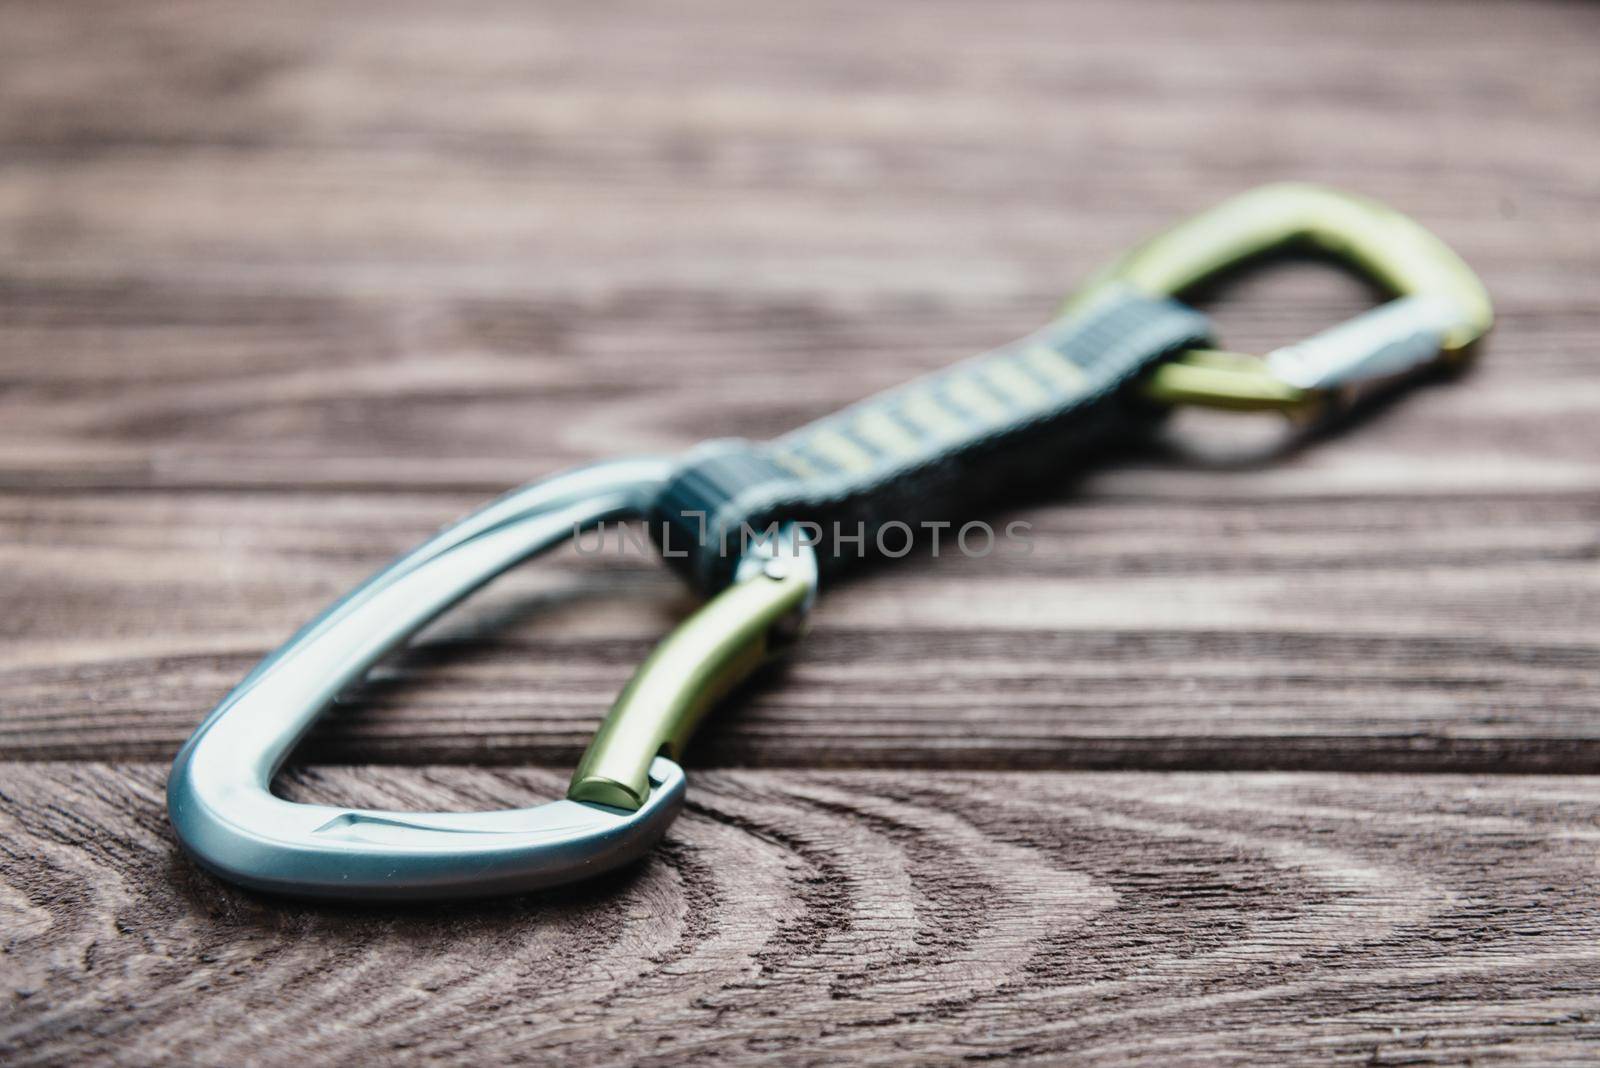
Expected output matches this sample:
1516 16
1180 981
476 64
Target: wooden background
284 287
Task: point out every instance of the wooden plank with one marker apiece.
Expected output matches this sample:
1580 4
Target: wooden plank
276 265
844 916
309 280
370 247
482 138
1433 633
156 387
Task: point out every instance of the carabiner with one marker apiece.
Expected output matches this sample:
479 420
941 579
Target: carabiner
1441 310
219 794
744 518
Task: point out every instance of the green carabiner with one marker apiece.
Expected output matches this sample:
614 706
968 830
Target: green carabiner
1443 308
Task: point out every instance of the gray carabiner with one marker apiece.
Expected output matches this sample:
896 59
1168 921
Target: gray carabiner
219 795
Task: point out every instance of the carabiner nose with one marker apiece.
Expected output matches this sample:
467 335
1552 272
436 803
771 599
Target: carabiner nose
219 794
1440 310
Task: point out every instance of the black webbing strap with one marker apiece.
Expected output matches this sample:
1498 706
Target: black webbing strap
927 451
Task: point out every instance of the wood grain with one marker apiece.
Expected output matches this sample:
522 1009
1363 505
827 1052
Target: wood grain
1137 633
804 917
224 391
284 287
314 301
369 247
280 283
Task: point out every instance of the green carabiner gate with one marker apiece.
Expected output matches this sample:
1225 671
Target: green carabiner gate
753 525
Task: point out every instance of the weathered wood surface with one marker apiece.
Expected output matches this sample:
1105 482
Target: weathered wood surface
814 917
1198 633
379 246
317 300
285 286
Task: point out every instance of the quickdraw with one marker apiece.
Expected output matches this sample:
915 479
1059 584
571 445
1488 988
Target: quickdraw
757 526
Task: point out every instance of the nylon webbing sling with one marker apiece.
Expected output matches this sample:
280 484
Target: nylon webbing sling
921 451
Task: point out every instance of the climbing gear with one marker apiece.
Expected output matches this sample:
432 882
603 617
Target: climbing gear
755 527
1441 308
